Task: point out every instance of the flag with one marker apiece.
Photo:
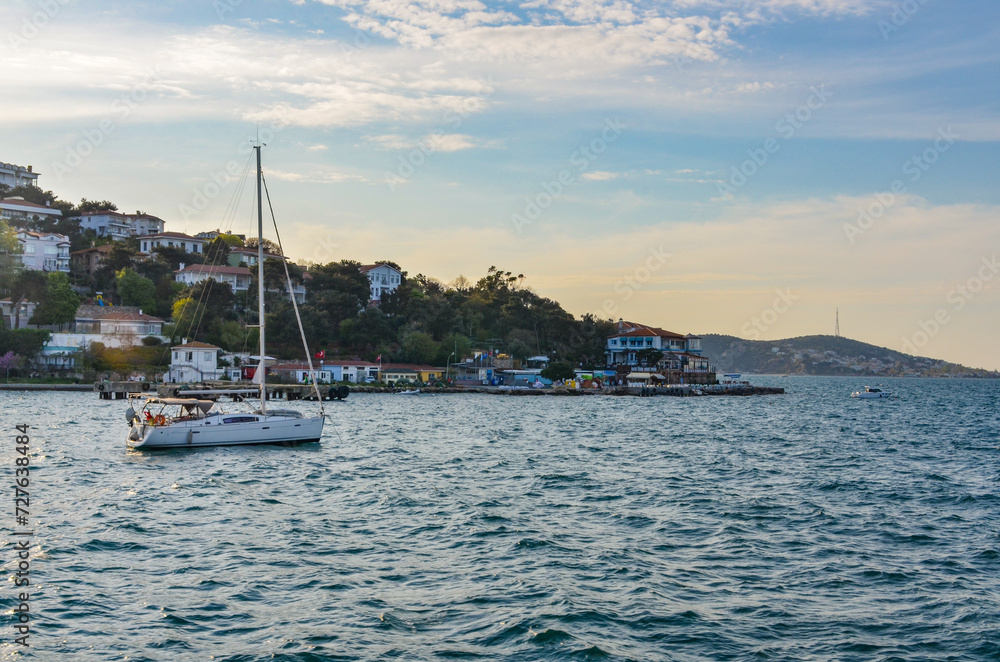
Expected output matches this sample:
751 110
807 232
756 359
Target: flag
379 359
321 354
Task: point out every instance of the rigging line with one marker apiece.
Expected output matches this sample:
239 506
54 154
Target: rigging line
232 205
206 292
291 294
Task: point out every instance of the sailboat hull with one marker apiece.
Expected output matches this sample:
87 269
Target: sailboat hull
265 430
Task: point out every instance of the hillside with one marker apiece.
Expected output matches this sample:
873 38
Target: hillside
823 355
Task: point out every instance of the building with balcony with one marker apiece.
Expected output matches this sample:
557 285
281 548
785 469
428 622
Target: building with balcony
18 211
15 175
89 260
681 361
383 280
118 226
171 239
237 278
44 251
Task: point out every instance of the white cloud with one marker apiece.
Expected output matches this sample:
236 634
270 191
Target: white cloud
600 175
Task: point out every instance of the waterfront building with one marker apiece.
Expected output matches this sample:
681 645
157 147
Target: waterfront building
193 362
681 363
44 251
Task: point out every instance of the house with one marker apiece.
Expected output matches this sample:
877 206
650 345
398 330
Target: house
395 372
237 278
44 251
248 256
624 345
193 362
112 326
682 362
171 239
382 278
299 372
119 227
357 372
19 210
15 175
88 260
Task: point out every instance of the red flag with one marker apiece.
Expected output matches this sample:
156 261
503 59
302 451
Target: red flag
379 358
321 354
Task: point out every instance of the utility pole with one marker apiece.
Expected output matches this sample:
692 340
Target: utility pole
836 325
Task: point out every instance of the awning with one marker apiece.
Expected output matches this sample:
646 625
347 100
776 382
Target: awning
188 403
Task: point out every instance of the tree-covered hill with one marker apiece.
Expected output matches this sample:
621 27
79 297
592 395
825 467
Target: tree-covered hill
822 355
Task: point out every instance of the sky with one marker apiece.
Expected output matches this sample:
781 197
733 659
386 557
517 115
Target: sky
742 167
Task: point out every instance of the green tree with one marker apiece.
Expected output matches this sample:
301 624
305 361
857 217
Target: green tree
419 347
29 286
93 205
60 303
558 371
134 290
649 356
10 255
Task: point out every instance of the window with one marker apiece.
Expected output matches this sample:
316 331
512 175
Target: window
240 419
29 249
189 356
51 250
208 356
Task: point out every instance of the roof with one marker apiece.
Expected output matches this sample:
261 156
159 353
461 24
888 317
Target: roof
16 202
409 366
61 238
195 345
103 248
122 313
365 268
646 331
213 269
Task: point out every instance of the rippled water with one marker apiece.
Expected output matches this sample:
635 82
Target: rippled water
804 526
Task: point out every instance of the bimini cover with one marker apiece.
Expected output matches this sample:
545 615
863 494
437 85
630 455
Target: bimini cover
187 403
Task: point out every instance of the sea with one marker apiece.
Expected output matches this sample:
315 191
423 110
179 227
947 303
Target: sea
803 526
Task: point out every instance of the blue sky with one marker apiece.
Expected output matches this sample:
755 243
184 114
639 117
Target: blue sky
428 132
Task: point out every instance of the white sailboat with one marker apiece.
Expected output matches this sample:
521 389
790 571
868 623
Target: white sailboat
192 422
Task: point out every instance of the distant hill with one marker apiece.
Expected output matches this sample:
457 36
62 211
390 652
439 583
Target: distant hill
823 355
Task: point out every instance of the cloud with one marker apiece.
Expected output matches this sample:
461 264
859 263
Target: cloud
600 176
433 142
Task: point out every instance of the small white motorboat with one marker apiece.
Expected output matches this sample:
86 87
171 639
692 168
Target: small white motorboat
871 393
411 392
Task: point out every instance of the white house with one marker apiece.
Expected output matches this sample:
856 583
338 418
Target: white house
382 278
194 362
624 345
18 209
44 251
112 326
237 278
15 175
175 239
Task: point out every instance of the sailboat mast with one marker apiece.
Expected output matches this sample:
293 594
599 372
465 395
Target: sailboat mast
262 366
